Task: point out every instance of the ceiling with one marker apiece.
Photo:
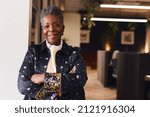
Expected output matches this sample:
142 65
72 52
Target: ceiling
78 5
74 5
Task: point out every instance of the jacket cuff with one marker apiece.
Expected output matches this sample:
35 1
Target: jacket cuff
52 84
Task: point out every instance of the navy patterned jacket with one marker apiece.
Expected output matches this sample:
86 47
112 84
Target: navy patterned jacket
35 62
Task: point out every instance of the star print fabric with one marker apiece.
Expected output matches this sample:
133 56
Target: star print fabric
69 63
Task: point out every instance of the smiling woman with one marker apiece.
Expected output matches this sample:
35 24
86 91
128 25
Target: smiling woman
52 70
53 29
36 35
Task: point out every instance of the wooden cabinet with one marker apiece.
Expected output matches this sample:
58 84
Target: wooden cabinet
103 61
131 70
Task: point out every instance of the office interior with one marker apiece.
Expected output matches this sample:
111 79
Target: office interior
116 52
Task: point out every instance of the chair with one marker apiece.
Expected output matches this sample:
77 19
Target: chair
113 63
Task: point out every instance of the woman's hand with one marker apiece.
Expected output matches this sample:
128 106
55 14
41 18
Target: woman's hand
37 78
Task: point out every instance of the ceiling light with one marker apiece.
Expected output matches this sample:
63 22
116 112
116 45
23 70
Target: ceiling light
123 6
119 20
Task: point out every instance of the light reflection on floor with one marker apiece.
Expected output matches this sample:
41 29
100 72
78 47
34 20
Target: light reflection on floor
94 90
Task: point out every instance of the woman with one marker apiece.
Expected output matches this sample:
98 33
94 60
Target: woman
47 74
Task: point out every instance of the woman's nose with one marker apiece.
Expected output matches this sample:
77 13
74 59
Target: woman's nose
51 28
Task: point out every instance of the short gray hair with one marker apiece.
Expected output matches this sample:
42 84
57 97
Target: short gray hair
51 10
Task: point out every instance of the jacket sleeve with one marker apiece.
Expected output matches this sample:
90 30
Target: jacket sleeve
74 81
25 85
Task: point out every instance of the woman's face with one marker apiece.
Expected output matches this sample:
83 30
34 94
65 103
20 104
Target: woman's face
52 29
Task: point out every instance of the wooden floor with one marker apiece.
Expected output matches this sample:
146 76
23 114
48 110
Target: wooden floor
94 90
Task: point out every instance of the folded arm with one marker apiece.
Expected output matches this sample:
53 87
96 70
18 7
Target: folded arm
26 85
76 77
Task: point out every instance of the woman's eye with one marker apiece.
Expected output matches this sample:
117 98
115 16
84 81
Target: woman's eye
45 27
57 25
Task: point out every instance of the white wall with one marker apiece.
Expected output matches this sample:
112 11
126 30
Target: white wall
72 28
14 25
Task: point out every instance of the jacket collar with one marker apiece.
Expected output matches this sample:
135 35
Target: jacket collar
65 47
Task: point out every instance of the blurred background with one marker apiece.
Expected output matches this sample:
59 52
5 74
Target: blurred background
115 43
114 36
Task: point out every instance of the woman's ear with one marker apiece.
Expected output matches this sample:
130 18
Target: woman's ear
63 29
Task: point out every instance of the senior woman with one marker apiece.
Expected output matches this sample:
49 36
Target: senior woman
52 70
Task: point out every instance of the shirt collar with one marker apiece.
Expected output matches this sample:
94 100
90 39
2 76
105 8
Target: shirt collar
65 47
58 47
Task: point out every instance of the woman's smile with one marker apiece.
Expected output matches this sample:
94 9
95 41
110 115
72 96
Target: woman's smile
52 29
